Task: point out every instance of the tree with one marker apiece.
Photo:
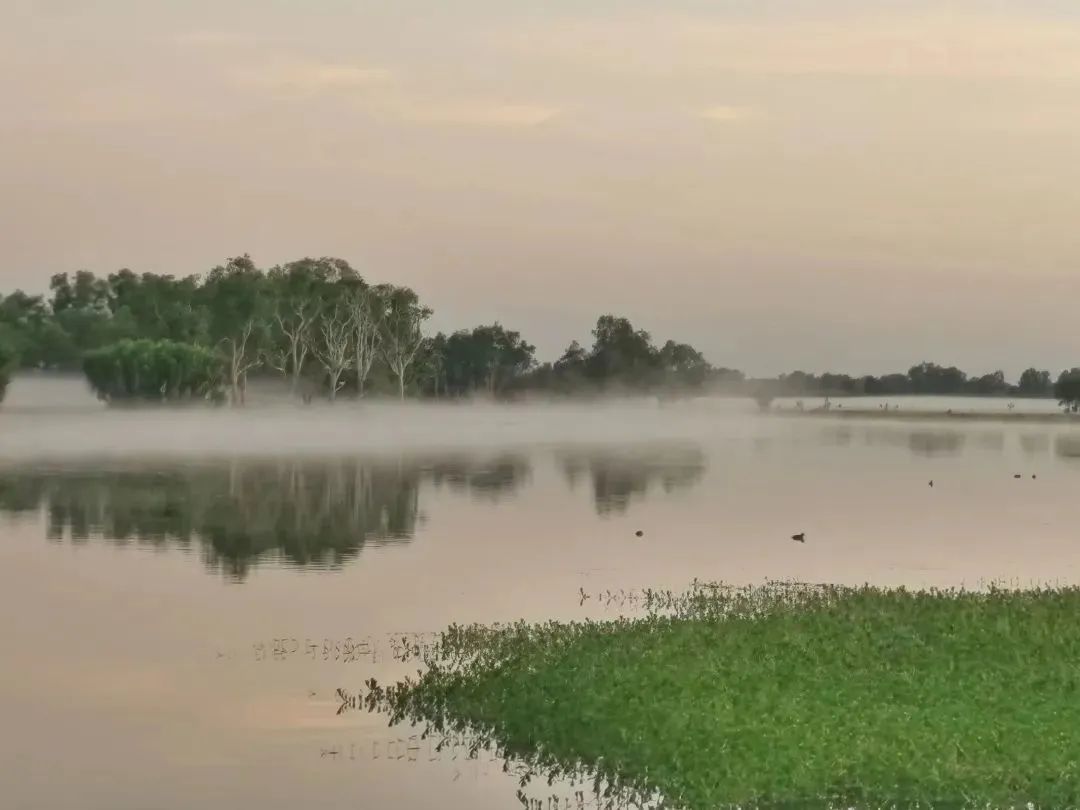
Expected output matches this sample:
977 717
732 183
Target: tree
367 310
297 290
505 354
683 365
331 345
23 321
81 318
431 362
620 353
930 378
486 358
990 384
157 306
8 361
153 370
236 300
764 396
1067 390
1035 383
400 331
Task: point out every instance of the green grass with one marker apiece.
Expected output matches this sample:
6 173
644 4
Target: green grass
784 695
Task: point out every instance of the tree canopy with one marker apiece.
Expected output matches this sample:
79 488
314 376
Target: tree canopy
319 326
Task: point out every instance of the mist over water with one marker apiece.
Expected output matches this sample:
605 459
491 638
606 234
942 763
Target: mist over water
195 584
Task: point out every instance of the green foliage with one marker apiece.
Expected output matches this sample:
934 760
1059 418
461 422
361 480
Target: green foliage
1035 383
271 321
620 353
154 370
623 358
400 330
781 696
8 361
1067 390
484 359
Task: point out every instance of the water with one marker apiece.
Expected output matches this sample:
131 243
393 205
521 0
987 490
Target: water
185 592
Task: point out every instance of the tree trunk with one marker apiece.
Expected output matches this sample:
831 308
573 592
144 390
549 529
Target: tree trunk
334 377
401 385
294 380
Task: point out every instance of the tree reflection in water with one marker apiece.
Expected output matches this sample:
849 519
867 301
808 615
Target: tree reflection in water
621 476
309 513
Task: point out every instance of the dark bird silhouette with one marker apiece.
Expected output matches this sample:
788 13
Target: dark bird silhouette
1034 477
799 538
931 485
1017 475
639 533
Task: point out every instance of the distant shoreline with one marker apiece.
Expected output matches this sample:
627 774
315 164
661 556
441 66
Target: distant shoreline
940 416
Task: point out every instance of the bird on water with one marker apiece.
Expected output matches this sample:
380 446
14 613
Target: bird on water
799 538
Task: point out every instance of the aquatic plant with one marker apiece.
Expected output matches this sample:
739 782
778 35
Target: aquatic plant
780 695
153 370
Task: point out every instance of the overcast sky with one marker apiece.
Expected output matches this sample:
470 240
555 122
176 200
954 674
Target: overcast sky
822 185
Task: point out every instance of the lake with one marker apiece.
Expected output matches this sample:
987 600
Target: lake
187 591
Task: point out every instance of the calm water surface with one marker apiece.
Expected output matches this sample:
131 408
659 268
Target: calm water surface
185 592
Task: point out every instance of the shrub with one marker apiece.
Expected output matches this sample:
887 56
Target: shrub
153 370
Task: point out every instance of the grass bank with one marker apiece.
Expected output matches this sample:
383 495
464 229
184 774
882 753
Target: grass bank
784 696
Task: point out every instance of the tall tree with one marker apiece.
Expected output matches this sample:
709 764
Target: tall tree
620 353
683 364
1035 383
27 326
431 362
930 378
331 346
155 306
298 291
401 332
1067 390
367 310
501 355
236 300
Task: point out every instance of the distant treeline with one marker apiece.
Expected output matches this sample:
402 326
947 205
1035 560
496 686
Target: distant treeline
326 331
925 378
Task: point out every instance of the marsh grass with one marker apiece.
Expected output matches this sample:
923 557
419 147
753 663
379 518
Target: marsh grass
782 695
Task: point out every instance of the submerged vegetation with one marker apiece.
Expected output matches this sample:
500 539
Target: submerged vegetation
785 695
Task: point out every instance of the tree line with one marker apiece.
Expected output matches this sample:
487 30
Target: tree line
926 378
324 330
314 323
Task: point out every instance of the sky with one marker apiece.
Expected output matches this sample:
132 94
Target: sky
852 186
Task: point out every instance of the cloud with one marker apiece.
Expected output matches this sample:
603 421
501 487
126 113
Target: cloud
214 39
305 77
472 113
725 113
930 44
